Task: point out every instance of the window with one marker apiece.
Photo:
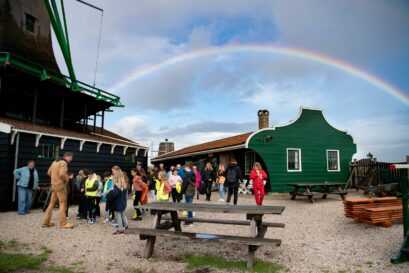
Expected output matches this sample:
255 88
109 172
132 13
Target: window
30 22
48 151
294 160
333 161
249 159
130 157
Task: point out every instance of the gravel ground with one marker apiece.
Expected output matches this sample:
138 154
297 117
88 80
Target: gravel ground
317 238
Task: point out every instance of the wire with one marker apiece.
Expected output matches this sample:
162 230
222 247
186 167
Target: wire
99 42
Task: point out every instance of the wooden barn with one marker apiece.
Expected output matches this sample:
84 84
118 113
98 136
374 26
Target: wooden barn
308 149
44 113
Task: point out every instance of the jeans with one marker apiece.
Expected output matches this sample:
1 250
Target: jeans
153 195
189 200
230 191
24 200
221 191
122 221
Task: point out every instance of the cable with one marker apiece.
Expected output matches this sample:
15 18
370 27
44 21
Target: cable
99 42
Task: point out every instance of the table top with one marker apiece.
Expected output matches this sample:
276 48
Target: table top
217 208
316 184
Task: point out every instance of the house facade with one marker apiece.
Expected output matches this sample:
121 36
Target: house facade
308 149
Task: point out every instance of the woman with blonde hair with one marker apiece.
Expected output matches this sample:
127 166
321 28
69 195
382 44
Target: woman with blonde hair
119 195
258 176
221 178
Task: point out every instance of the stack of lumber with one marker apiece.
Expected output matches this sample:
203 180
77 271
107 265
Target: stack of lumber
377 211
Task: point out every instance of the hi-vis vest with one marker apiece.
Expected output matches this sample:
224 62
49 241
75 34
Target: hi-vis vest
109 181
88 185
161 194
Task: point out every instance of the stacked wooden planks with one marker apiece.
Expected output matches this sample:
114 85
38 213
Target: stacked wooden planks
375 211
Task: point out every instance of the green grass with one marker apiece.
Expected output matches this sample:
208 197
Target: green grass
210 260
10 262
358 271
62 269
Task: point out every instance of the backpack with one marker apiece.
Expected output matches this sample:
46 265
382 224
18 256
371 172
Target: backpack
231 175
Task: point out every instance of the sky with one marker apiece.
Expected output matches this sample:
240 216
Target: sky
202 97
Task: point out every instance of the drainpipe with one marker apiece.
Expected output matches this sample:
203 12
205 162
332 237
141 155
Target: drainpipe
15 166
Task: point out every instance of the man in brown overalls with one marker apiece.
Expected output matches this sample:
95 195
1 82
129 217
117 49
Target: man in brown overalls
58 172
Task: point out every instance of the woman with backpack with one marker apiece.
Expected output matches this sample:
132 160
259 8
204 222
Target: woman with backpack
233 176
258 176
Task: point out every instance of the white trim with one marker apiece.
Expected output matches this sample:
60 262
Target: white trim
72 138
201 152
38 137
136 151
299 160
113 148
401 166
99 146
246 145
125 149
63 140
82 144
5 128
338 163
13 136
114 138
146 152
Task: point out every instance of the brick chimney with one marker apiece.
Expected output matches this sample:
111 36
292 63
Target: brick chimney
263 119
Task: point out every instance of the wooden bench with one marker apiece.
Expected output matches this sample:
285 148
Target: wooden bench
224 221
323 188
162 225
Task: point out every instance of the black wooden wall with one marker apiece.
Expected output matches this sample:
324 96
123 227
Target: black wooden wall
87 158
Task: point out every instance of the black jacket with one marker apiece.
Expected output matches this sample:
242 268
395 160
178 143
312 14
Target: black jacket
208 175
189 184
238 177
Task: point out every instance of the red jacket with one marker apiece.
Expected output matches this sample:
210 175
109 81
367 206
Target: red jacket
257 180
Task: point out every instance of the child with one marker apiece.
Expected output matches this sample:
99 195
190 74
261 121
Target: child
162 188
119 196
108 186
137 187
91 193
174 180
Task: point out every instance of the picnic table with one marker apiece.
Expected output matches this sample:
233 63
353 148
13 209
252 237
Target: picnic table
311 189
162 223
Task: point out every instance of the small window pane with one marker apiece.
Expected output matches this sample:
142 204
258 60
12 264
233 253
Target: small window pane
332 160
293 160
250 158
30 21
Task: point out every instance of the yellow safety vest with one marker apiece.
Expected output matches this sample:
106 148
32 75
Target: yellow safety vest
88 185
161 195
106 184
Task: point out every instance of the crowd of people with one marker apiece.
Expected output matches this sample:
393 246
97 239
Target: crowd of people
87 189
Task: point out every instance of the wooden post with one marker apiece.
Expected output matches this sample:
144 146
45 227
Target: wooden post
150 243
95 122
85 118
35 103
62 112
175 220
102 122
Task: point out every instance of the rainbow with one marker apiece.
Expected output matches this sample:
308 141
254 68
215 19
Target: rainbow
140 72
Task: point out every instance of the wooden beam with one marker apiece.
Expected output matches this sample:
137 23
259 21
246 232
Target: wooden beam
63 142
99 146
85 119
81 144
38 137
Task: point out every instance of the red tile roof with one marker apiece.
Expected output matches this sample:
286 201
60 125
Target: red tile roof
208 146
108 137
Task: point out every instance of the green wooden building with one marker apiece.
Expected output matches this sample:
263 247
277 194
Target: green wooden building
308 149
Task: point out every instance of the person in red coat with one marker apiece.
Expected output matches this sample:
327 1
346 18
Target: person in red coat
258 176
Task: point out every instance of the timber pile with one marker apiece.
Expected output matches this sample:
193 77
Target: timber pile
375 211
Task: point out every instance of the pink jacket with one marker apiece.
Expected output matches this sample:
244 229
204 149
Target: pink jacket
257 180
198 179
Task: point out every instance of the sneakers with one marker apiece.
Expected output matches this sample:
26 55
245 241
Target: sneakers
105 221
119 232
68 218
221 200
112 223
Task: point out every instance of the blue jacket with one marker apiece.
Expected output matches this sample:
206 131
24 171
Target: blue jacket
181 172
119 198
23 177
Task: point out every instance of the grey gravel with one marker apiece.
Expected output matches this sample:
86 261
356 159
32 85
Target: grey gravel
317 238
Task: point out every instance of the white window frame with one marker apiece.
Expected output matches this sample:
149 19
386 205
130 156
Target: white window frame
339 163
300 161
246 157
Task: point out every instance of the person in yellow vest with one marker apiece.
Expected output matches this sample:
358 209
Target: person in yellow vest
163 187
91 194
